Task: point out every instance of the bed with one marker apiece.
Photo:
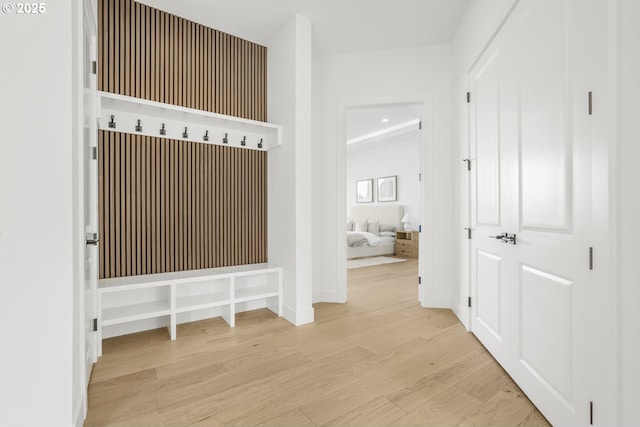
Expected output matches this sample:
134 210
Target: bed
371 230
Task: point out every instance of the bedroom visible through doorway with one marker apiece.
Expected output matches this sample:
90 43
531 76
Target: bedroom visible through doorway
384 186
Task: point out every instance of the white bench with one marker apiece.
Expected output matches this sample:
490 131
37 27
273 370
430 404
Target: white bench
138 303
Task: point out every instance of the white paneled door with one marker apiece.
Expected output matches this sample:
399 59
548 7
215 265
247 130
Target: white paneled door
532 137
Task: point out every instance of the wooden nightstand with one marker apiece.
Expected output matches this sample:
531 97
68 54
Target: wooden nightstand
407 244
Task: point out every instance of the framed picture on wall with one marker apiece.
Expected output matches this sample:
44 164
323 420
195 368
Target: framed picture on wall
364 191
387 189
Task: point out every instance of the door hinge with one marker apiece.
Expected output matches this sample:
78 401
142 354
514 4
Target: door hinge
468 233
91 239
419 177
94 153
419 229
591 258
469 302
468 163
94 67
468 97
94 325
591 413
419 280
420 125
590 103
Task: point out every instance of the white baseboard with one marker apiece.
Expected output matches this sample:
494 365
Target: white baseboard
79 410
437 301
298 317
462 313
326 296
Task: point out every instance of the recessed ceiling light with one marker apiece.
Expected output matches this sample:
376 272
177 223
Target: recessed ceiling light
385 120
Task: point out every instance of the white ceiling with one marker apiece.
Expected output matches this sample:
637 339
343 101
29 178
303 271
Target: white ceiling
339 26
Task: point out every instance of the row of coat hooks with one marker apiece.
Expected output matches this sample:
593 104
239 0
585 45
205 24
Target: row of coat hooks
163 131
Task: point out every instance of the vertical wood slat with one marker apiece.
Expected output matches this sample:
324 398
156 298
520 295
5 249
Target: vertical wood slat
116 203
187 206
109 207
151 54
158 207
143 204
127 210
167 205
102 201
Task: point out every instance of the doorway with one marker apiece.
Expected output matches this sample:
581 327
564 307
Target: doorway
383 190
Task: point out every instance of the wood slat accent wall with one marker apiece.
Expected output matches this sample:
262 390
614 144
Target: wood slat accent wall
148 53
169 205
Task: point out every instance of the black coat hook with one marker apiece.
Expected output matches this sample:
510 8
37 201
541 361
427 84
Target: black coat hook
112 123
244 141
206 136
260 143
185 134
225 140
139 126
163 130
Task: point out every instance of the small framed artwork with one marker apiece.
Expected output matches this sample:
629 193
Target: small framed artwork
387 189
364 191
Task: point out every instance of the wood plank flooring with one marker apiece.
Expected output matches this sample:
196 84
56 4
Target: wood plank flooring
379 360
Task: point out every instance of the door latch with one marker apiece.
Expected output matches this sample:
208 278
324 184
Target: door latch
510 239
505 238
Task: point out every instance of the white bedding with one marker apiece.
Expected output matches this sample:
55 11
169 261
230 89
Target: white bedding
363 244
383 219
360 238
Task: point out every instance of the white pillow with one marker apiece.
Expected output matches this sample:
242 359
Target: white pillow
349 225
374 227
360 225
387 234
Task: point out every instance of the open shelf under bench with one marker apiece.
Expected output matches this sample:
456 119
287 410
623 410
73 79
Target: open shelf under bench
137 303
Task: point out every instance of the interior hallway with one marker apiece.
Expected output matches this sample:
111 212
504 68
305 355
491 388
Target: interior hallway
379 360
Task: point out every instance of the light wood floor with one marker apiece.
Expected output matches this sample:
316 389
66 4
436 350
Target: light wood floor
379 360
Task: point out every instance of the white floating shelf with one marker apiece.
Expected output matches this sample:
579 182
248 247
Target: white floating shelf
127 111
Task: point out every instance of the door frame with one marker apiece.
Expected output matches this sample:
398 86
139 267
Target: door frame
426 250
84 13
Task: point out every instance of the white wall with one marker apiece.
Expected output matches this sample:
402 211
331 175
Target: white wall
628 227
289 104
36 211
394 76
394 156
480 21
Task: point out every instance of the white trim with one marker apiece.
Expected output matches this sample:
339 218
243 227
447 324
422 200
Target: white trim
79 411
298 317
615 43
462 312
439 301
327 295
425 264
494 34
410 125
